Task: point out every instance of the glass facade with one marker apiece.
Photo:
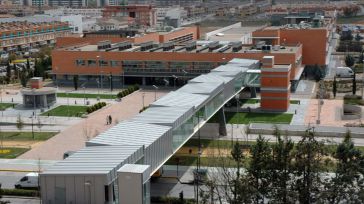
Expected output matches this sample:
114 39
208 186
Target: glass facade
181 133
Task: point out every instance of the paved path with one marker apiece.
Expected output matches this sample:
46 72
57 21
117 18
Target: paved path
330 113
74 137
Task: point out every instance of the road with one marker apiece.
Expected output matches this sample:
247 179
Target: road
20 200
8 179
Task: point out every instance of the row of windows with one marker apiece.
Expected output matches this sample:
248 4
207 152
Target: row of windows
25 33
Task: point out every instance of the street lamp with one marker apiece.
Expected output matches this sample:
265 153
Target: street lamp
88 185
143 95
155 92
362 88
84 92
184 75
174 81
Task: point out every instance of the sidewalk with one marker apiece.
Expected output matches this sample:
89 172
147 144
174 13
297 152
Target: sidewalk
74 137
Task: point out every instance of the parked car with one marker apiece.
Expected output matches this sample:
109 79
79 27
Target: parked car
30 181
344 72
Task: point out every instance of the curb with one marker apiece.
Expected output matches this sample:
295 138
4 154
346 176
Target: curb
15 170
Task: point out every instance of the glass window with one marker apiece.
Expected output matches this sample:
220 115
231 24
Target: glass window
103 63
25 178
114 63
80 62
91 62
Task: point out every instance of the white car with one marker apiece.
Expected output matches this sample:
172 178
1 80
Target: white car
344 72
30 180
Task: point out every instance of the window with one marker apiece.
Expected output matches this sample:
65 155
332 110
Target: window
114 63
25 178
80 62
91 62
103 63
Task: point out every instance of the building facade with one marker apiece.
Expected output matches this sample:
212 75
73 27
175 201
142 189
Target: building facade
24 36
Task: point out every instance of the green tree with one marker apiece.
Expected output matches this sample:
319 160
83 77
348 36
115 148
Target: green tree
258 170
308 165
349 61
354 84
361 58
19 123
75 82
24 76
318 73
358 37
8 73
281 169
347 183
334 87
238 156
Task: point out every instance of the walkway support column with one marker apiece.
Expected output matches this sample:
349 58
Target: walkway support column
222 122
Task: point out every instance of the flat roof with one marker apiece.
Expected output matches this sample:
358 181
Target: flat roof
201 47
234 34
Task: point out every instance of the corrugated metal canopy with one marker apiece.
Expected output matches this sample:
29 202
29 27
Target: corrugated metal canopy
210 78
244 63
210 88
130 133
171 116
179 99
229 68
95 160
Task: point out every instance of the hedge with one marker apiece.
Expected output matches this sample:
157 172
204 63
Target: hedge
20 192
171 200
127 91
95 107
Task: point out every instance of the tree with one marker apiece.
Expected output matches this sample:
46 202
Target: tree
347 183
281 169
308 165
75 82
24 76
354 84
238 156
358 37
19 123
8 73
361 58
258 170
349 61
334 87
318 73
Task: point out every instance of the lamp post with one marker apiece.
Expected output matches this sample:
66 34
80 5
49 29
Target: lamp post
143 95
362 88
88 185
84 92
184 75
155 92
174 81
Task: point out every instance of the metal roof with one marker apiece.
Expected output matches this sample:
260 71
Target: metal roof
102 160
230 68
210 78
210 88
180 99
170 116
244 63
130 133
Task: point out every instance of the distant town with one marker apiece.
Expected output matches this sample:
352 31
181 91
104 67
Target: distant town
181 101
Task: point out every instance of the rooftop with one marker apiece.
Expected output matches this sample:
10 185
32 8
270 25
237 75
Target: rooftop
201 47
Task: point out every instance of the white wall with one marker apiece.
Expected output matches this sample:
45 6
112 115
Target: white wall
207 35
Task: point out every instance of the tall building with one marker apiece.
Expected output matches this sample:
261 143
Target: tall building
68 3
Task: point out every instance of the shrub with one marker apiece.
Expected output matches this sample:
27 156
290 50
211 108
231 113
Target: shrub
20 192
103 104
89 110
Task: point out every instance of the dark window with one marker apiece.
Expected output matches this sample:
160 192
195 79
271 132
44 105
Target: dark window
106 193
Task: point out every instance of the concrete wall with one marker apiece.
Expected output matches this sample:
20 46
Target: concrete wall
75 189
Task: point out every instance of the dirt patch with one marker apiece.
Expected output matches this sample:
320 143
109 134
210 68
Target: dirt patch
22 144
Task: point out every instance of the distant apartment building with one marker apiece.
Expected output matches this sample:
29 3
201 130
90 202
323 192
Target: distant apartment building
180 35
170 16
16 10
138 15
85 12
24 35
67 3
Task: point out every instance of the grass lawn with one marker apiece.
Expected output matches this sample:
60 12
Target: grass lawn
66 111
354 101
349 20
18 136
254 101
81 95
11 152
4 106
245 118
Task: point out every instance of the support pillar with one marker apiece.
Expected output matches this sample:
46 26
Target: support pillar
253 92
144 81
222 122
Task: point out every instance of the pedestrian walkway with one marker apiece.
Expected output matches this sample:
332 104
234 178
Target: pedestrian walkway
299 111
74 137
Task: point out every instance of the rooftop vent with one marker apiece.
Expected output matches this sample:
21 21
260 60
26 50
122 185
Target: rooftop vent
237 46
191 46
104 44
168 46
146 46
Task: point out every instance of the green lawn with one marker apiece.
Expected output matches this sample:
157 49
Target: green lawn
66 111
18 136
349 20
81 95
254 101
4 106
246 118
11 152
